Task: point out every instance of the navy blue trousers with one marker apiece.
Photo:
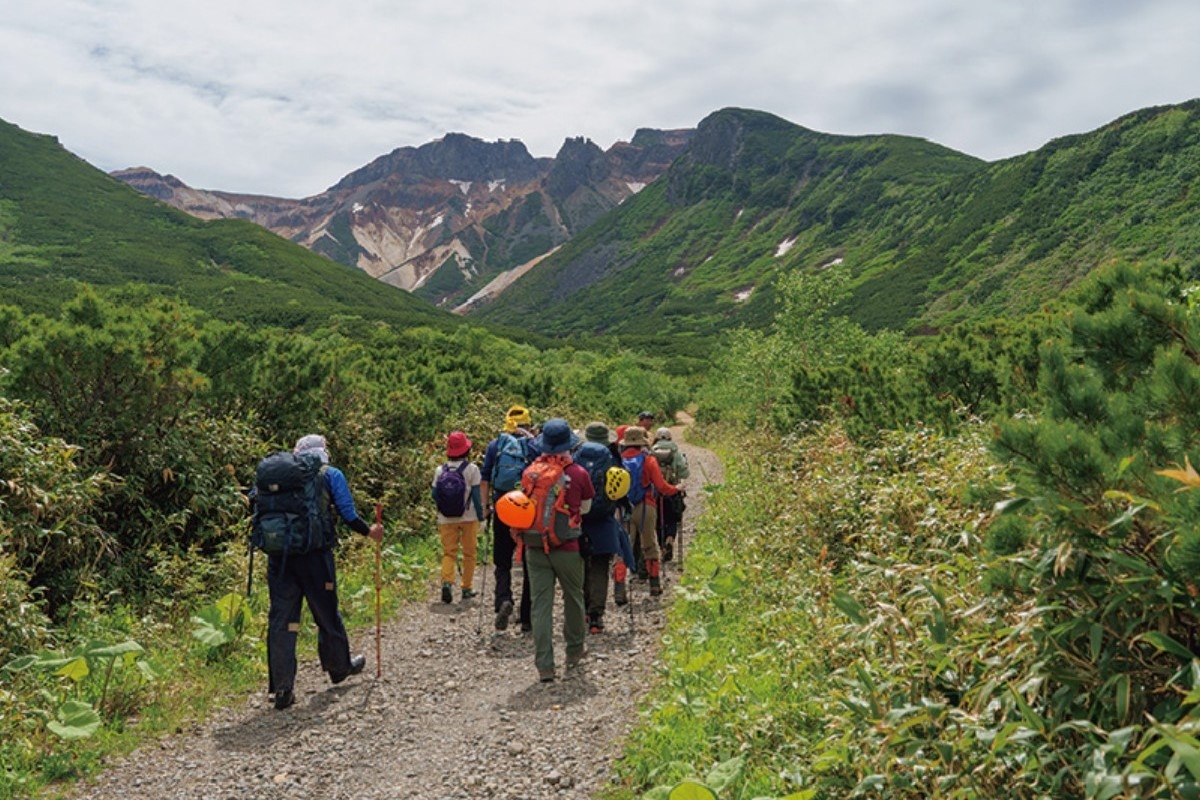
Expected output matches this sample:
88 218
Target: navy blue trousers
304 578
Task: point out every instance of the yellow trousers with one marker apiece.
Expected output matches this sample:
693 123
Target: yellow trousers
453 535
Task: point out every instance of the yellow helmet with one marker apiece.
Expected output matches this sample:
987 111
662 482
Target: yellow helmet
616 483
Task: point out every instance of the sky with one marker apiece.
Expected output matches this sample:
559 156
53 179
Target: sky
285 97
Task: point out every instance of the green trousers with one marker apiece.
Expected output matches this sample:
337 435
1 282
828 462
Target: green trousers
544 568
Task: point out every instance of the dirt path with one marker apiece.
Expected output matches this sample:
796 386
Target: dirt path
457 714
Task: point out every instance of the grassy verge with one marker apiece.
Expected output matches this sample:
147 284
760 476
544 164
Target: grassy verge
819 568
174 680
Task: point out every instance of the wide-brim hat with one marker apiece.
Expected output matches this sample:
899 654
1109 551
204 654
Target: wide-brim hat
457 445
556 437
635 437
599 432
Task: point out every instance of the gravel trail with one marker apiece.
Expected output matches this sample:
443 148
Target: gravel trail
458 713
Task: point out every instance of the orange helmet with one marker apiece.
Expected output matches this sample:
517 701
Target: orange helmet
516 510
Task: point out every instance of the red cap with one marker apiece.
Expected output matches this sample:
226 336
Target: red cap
457 445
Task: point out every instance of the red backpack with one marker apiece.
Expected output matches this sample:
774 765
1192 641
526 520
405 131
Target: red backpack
545 483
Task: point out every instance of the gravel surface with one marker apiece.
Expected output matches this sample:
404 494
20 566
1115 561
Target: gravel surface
458 713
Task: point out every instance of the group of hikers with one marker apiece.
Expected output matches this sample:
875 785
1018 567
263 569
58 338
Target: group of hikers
559 503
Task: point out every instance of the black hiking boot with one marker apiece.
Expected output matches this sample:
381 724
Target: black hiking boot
503 614
356 666
447 593
668 550
655 585
620 595
284 698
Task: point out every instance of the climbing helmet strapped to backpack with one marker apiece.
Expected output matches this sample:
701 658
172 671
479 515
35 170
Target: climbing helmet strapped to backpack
545 482
291 505
511 454
450 491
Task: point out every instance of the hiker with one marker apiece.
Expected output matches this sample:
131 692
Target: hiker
674 467
456 493
311 577
645 420
603 535
647 484
562 493
504 460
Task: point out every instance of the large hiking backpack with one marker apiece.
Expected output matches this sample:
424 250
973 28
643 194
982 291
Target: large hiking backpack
450 490
671 461
545 483
511 455
634 465
291 505
596 459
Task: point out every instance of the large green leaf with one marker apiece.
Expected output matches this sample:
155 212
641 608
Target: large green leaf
725 773
690 790
76 720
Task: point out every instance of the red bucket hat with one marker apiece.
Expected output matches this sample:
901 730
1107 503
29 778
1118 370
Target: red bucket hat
457 445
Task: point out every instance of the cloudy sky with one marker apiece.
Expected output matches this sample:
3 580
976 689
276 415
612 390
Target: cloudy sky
284 97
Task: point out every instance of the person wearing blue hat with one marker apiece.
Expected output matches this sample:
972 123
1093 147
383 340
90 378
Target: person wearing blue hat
562 492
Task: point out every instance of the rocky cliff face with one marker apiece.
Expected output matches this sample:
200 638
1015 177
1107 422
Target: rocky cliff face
446 218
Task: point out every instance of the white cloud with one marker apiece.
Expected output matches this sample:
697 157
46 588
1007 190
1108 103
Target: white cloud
286 98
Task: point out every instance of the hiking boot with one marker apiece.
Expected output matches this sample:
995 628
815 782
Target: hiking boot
573 659
546 675
356 666
284 698
620 595
596 627
668 550
655 586
467 594
447 593
526 627
503 614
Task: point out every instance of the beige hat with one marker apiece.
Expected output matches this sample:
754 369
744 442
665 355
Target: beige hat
635 437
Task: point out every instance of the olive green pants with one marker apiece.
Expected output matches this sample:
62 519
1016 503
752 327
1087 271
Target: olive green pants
565 566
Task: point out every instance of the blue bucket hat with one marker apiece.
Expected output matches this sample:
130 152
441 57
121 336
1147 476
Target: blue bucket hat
556 437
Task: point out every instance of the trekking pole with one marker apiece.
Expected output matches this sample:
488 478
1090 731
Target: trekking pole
487 536
378 587
629 581
250 569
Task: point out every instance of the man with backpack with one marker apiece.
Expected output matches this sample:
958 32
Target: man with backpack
646 484
456 490
603 536
561 492
504 460
673 464
294 498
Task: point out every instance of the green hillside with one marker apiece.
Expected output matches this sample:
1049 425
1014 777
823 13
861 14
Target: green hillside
931 236
63 221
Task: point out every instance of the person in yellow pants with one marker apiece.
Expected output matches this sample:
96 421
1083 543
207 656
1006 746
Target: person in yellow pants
459 507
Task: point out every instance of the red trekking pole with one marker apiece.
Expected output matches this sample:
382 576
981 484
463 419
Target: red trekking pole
378 586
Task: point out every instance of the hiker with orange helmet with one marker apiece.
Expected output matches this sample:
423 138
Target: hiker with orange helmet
562 492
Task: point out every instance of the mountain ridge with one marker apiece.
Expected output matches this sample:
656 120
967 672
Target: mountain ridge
445 218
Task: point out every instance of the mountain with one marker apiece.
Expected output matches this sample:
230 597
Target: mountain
930 236
63 221
444 219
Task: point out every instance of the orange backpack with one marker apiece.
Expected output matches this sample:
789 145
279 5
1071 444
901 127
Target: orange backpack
545 482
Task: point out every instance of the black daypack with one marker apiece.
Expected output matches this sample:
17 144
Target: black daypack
596 459
450 490
291 505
